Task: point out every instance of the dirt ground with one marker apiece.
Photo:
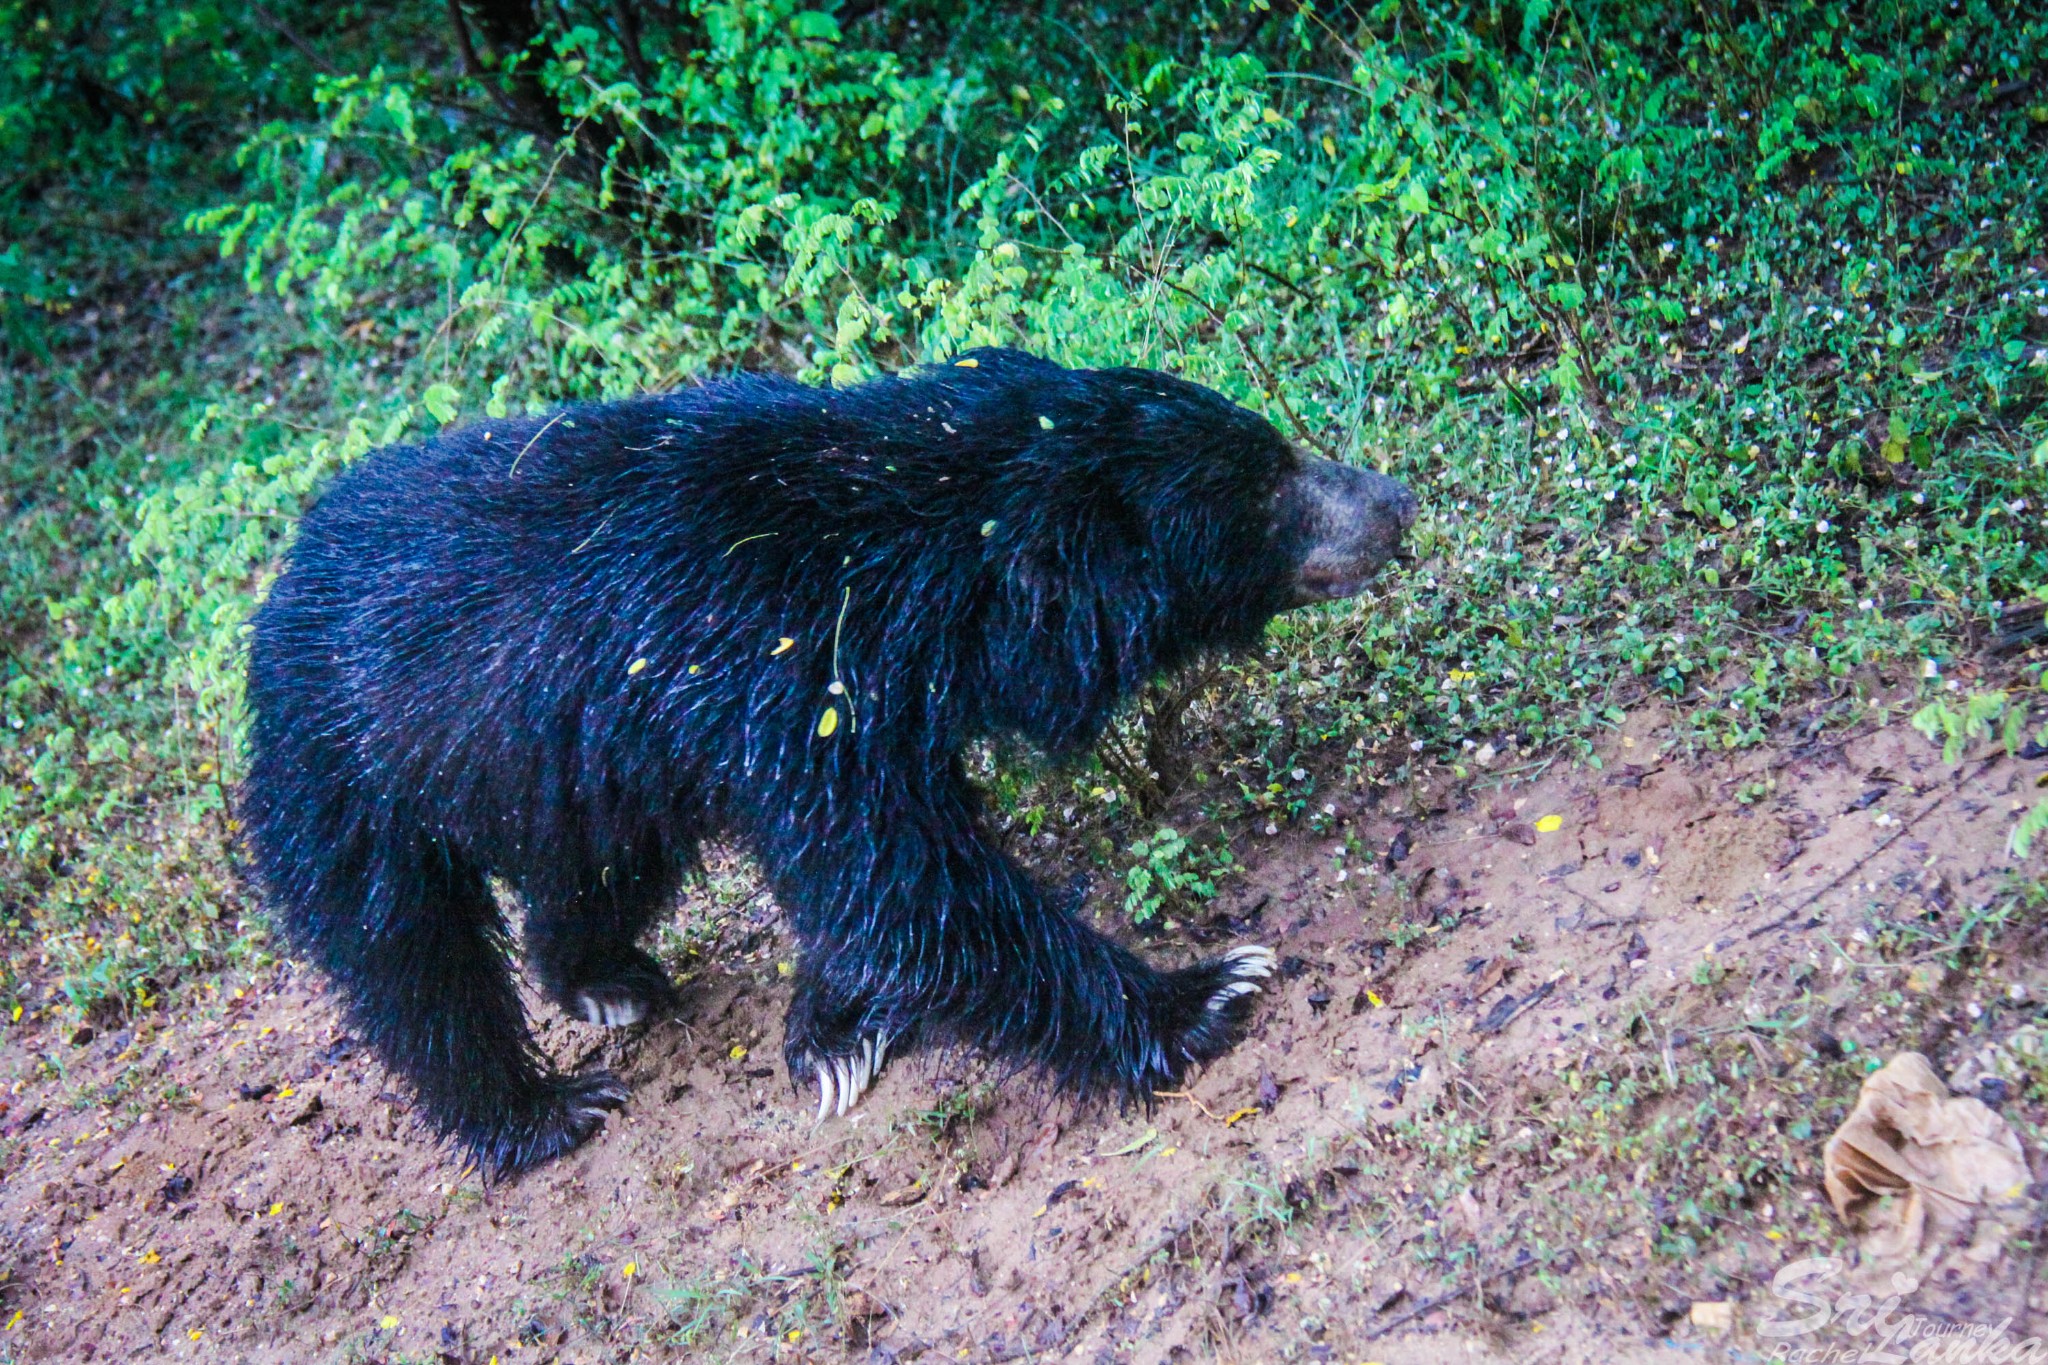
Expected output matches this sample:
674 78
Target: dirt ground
1546 1076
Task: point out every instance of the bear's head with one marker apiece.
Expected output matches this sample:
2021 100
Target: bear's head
1144 521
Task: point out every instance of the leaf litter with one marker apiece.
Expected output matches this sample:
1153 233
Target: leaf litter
1347 1169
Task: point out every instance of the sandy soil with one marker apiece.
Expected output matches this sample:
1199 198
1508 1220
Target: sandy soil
1399 1164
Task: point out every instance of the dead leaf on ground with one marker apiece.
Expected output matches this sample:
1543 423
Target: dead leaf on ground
1714 1315
907 1195
1507 1007
1914 1163
1474 1216
1138 1143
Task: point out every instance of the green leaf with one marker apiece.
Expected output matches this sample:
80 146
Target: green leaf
814 24
2033 823
1414 199
440 402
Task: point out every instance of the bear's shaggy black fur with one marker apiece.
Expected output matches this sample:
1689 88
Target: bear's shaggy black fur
562 651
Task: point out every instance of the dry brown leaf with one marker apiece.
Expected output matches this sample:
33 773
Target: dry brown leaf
901 1198
1914 1162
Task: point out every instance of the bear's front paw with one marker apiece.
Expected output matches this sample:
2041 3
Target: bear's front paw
620 992
843 1080
1206 1009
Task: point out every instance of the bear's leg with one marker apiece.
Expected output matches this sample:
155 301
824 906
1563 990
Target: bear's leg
581 941
408 930
1019 977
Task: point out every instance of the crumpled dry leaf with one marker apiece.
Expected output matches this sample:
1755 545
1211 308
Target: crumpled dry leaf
1914 1162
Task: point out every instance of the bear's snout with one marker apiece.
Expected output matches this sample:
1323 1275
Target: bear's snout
1344 523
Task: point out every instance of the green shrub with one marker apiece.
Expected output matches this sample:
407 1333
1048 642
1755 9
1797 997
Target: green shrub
1169 873
1716 345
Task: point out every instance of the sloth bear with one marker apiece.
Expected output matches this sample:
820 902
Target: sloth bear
563 651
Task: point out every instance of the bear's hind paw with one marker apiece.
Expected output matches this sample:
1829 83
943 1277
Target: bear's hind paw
610 1008
843 1080
621 991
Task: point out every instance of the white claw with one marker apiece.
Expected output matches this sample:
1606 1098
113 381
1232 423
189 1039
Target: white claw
596 1009
824 1092
843 1080
1231 992
1252 960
